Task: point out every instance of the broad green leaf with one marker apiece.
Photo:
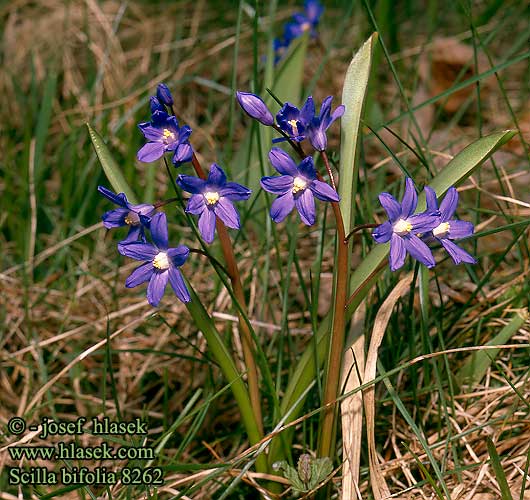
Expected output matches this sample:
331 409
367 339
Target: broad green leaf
366 274
205 324
290 73
468 160
477 364
499 471
353 98
110 167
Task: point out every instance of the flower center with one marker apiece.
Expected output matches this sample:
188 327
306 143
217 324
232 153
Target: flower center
132 219
161 261
299 184
305 26
294 126
402 227
441 230
211 197
168 135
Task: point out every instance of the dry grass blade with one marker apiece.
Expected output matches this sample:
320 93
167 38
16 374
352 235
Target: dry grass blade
377 479
351 409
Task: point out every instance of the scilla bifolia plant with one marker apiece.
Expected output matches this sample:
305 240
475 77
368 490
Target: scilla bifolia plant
421 225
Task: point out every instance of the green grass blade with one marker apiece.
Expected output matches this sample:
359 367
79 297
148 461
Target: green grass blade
477 364
110 167
353 97
499 471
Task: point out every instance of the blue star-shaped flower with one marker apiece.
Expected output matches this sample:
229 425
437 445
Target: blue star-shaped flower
402 228
297 186
164 134
161 263
137 217
319 124
450 229
213 198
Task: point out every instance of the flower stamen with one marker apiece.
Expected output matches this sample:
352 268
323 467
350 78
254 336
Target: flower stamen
132 219
402 227
211 197
299 184
161 261
168 135
294 126
442 230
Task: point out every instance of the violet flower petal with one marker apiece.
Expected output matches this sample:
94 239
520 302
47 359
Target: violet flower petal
115 218
119 199
159 230
227 213
278 184
430 196
281 207
282 162
458 254
254 106
305 204
151 151
382 233
410 199
397 252
178 284
419 250
459 229
391 206
196 204
216 177
448 204
207 225
178 255
191 184
307 168
235 192
323 191
140 275
138 251
156 287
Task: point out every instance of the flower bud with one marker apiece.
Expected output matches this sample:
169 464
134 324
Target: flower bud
164 95
155 105
255 107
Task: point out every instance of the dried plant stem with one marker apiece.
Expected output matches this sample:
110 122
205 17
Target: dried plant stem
326 440
246 337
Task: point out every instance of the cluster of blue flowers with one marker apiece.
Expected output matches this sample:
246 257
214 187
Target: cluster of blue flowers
411 233
300 23
297 185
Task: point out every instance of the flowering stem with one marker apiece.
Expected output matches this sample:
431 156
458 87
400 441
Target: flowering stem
360 227
165 202
296 146
326 441
246 336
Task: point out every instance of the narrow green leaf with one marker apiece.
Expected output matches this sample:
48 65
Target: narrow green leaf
353 97
110 167
499 471
477 364
218 349
43 122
